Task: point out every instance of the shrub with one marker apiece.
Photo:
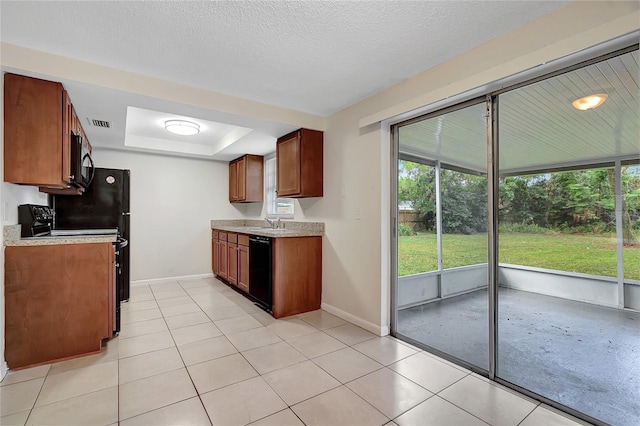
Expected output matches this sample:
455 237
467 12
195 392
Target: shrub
405 230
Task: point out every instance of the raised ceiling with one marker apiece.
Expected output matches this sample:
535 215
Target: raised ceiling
312 56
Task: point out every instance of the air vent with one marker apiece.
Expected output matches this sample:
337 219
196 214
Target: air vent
99 123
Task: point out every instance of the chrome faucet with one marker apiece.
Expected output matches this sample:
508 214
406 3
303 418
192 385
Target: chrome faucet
270 222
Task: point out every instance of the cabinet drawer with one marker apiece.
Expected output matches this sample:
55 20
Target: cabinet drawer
232 238
222 236
215 234
243 240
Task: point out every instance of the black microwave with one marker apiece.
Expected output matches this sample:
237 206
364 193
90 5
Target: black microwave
81 162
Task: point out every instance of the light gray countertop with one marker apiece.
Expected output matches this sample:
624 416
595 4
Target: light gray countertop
257 227
12 238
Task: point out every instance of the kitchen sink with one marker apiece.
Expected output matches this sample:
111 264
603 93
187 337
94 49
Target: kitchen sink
265 229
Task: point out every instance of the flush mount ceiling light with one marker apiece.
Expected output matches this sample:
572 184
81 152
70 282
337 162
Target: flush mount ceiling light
182 127
589 102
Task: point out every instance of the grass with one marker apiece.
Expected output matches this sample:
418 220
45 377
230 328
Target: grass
575 253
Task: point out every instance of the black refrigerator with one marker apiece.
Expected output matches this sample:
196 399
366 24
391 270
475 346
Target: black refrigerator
104 205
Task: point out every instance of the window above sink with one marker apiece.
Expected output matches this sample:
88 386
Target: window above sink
276 207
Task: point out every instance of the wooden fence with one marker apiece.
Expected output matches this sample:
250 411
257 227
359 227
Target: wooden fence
410 218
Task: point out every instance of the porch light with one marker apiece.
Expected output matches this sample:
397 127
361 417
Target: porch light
589 102
182 127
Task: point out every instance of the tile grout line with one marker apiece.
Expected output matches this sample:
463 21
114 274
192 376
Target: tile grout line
463 409
179 354
185 364
297 363
340 384
531 412
37 396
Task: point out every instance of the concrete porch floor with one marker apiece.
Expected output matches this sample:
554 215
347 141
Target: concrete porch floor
584 356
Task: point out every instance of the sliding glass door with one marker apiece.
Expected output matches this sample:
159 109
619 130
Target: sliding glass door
555 312
561 331
442 242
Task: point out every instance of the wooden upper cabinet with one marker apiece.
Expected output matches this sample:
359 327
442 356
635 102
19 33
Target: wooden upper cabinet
38 121
288 166
233 181
299 164
246 179
241 178
36 126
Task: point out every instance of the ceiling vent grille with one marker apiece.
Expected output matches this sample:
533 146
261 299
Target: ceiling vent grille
100 123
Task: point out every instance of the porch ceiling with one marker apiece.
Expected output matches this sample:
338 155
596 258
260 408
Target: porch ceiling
539 128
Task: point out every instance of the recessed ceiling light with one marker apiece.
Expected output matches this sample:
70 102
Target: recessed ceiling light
182 127
589 102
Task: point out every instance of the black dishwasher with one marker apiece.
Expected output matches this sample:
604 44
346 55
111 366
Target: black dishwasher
260 270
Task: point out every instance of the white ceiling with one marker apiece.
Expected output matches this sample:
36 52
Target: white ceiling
311 56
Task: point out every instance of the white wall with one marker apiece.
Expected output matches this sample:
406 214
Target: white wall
172 203
13 195
352 213
355 207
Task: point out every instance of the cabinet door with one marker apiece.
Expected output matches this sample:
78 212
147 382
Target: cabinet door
222 261
58 301
33 131
242 179
243 268
214 256
233 181
288 166
112 295
232 271
67 127
254 178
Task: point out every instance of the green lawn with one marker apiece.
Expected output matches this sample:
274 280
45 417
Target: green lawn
576 253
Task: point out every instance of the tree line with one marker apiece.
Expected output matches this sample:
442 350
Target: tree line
570 201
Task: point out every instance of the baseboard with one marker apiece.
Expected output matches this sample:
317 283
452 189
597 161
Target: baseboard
164 280
367 325
3 370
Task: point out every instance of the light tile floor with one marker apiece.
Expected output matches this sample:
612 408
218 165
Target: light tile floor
198 353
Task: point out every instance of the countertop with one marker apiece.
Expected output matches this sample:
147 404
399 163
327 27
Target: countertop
257 227
12 238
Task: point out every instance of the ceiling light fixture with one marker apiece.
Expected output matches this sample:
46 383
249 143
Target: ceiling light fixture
589 102
182 127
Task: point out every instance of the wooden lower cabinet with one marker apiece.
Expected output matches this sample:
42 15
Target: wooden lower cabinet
59 301
214 256
297 275
243 263
232 259
222 255
297 269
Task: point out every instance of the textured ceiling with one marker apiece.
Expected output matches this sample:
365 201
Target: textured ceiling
539 129
313 56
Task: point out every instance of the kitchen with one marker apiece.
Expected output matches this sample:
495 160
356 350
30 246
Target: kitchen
168 212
